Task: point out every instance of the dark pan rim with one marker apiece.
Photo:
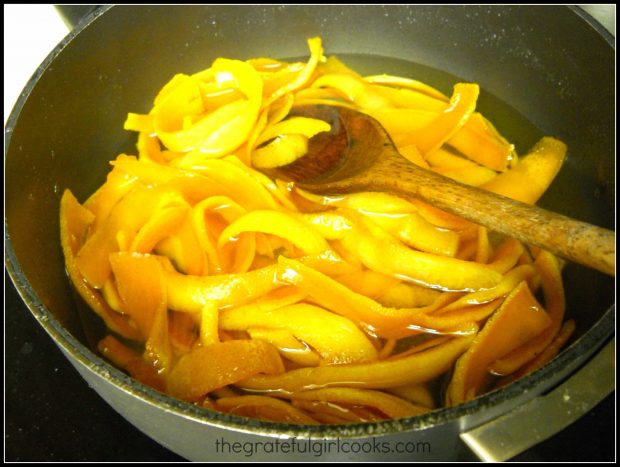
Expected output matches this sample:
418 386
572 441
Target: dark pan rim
569 358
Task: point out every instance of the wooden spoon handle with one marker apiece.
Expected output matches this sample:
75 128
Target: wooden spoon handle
571 239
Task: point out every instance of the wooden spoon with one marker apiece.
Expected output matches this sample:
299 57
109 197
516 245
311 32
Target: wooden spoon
358 155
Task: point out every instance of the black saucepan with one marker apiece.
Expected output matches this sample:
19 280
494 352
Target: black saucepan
551 66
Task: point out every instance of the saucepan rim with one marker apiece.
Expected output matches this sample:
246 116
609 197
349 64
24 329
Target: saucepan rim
586 345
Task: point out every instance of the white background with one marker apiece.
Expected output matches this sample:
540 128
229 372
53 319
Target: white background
30 34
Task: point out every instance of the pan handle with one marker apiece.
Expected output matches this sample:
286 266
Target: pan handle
508 435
